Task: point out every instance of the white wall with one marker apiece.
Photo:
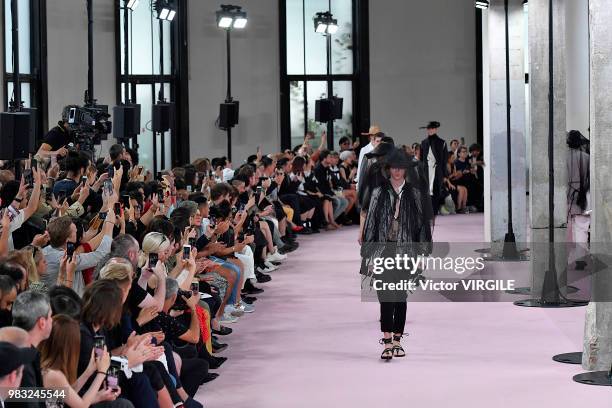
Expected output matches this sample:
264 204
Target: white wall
423 67
577 64
67 55
255 80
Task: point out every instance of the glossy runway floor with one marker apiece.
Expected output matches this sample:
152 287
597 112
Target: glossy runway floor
312 343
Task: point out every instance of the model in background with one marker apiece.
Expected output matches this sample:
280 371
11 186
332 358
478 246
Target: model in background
578 196
434 154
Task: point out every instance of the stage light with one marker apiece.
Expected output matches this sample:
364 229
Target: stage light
165 10
324 23
225 22
231 17
333 27
132 4
482 4
241 20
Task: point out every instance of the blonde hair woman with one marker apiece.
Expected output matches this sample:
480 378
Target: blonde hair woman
37 267
152 275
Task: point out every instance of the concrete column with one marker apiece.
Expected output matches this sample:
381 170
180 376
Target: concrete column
598 328
496 162
539 104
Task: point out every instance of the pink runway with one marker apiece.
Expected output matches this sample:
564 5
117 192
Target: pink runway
313 343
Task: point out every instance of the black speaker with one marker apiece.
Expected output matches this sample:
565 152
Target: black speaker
337 104
163 114
16 139
126 119
323 110
228 114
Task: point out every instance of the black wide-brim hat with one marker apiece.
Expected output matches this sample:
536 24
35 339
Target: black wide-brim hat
431 125
399 159
382 149
576 140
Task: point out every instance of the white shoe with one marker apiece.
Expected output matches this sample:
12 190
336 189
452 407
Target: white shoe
264 270
228 318
233 310
276 257
270 266
246 308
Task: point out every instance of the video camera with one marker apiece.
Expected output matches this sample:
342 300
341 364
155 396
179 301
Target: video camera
89 124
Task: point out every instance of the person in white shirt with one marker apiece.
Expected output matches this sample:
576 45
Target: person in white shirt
375 137
21 209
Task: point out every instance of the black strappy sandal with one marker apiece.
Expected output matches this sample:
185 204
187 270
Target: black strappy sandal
396 350
387 353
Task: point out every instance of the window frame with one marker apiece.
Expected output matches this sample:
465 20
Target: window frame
360 78
177 79
38 64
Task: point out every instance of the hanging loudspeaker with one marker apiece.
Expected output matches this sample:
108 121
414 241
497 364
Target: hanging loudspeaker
16 138
162 117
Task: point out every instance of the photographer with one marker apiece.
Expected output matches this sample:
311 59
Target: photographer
55 141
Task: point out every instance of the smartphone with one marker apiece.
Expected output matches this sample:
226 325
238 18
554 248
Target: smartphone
112 378
234 211
117 209
99 344
108 187
69 250
186 251
242 206
111 171
10 214
83 181
213 221
125 199
153 258
34 164
192 242
195 287
28 176
102 216
160 196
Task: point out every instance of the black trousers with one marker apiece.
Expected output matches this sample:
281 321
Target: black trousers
392 317
392 302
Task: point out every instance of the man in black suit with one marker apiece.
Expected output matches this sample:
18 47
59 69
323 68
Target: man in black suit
434 155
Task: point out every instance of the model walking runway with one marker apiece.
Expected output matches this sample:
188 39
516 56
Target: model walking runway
314 344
